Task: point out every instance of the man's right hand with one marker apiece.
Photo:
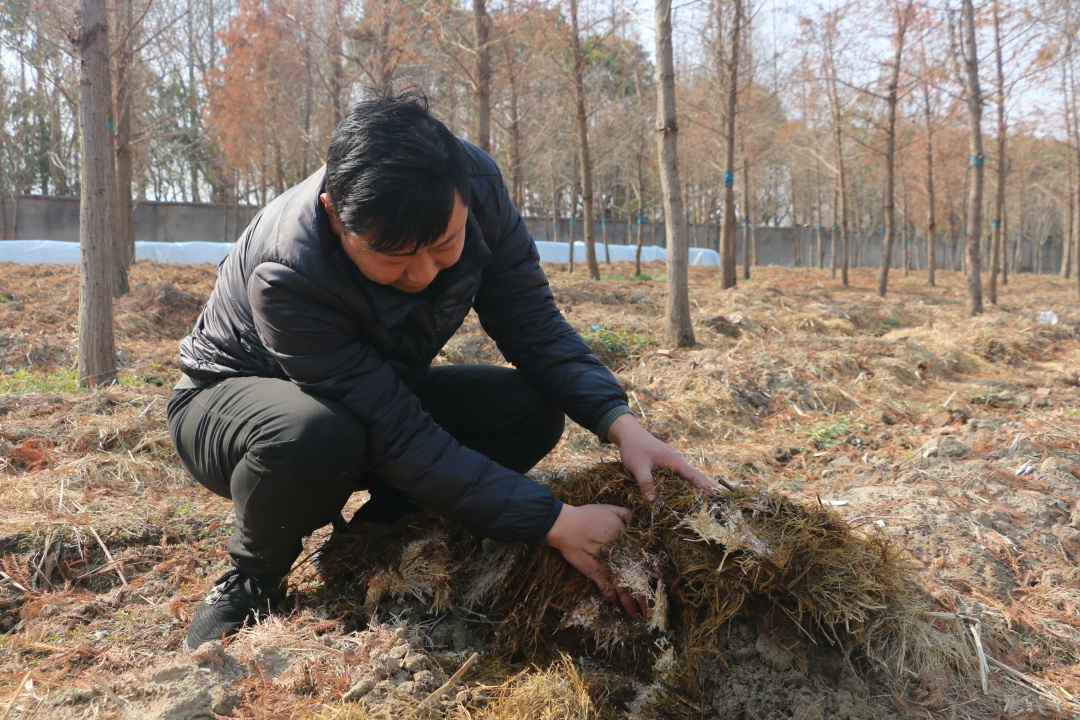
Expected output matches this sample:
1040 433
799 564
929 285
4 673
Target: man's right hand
584 535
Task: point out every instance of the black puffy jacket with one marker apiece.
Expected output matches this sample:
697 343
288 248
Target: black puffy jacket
289 304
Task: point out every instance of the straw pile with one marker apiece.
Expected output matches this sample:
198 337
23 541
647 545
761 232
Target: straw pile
701 561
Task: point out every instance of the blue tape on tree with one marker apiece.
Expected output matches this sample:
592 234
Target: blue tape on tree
995 223
976 161
729 179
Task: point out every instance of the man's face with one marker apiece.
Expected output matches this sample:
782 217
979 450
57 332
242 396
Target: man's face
406 270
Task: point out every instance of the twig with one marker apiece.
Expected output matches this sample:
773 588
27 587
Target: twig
11 581
44 557
109 692
1033 416
983 669
1034 684
108 554
15 695
434 697
725 483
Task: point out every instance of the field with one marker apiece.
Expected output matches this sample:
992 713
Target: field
954 438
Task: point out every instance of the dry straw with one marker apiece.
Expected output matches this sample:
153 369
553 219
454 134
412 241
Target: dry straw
701 560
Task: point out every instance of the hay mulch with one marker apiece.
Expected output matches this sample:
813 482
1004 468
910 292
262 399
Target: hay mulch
796 570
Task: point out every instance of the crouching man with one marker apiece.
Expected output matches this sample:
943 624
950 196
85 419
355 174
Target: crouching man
308 374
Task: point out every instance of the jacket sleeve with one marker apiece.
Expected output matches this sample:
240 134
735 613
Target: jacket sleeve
518 311
319 349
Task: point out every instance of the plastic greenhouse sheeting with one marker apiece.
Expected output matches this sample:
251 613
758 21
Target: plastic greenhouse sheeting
62 252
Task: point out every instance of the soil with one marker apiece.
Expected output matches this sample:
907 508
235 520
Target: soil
956 436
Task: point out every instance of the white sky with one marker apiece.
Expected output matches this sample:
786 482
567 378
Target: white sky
777 29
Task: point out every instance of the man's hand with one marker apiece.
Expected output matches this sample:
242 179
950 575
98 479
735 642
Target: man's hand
642 453
584 534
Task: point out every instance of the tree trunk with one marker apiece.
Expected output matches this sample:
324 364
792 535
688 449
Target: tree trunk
931 221
905 237
637 247
97 355
902 17
517 167
1018 246
6 186
640 219
193 111
482 92
841 181
124 237
678 330
57 175
819 228
975 170
731 72
583 142
748 214
554 210
337 71
834 253
1076 149
999 196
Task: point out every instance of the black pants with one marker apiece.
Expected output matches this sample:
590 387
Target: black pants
289 460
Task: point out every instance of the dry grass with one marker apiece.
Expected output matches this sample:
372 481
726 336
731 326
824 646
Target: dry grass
792 375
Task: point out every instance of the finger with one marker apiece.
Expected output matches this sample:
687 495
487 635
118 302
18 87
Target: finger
644 605
702 480
628 602
691 473
643 475
625 514
605 581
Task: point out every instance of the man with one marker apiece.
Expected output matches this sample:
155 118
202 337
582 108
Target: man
308 375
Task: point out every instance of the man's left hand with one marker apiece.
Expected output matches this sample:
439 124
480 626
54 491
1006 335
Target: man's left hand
642 453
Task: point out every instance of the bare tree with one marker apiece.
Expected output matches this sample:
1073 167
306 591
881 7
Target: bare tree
482 91
1072 100
125 56
998 220
97 356
931 220
577 58
829 39
678 330
902 14
730 71
968 54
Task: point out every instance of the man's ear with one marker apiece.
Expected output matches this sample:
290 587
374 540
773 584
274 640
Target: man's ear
335 221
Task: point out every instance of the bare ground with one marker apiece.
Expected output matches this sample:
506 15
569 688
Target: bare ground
957 436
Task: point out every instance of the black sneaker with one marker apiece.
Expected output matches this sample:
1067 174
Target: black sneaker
235 600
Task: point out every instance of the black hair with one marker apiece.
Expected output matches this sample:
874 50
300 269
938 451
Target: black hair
392 171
